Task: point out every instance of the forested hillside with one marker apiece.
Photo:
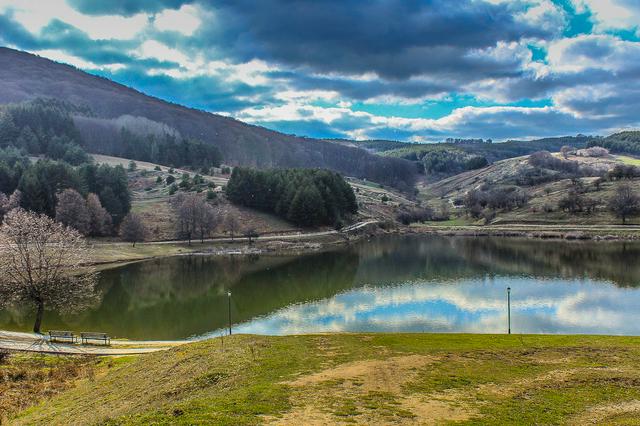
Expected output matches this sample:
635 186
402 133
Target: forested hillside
623 142
26 77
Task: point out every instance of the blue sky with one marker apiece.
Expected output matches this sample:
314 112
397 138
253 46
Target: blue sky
416 70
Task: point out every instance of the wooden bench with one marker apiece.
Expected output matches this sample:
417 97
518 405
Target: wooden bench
58 335
90 335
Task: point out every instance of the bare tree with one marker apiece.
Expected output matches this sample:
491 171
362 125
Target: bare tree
189 212
251 234
232 225
566 150
207 221
624 203
100 219
44 263
71 210
196 217
9 203
132 229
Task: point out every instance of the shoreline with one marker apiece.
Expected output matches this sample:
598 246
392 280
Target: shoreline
115 254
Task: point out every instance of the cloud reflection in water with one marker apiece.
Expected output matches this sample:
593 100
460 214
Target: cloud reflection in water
563 306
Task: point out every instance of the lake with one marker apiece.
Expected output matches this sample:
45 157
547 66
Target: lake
387 284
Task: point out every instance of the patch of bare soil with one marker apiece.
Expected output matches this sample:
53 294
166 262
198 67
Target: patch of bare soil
359 381
376 375
601 414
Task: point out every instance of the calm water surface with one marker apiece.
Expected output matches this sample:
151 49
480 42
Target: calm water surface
413 284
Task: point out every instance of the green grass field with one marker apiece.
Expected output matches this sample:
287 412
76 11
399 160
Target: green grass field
628 160
361 379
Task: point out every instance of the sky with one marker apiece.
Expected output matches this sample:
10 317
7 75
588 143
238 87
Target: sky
410 70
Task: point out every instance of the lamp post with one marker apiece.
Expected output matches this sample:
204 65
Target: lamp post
229 309
509 308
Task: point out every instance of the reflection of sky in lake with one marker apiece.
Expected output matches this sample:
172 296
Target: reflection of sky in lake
562 306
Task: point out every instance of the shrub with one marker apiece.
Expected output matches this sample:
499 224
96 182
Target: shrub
595 151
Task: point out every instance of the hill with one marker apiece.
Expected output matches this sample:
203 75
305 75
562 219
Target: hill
25 77
151 199
337 379
538 190
624 142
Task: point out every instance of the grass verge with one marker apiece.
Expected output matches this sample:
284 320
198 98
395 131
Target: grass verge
362 379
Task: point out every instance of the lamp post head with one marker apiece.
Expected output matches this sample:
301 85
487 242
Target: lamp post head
508 288
229 293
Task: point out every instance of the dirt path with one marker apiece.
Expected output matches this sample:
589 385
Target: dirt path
296 236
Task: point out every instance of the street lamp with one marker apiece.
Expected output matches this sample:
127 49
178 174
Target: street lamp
229 309
509 308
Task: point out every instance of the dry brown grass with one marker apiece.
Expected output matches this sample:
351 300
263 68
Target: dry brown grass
26 379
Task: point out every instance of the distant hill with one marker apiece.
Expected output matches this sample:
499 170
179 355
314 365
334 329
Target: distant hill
24 77
624 142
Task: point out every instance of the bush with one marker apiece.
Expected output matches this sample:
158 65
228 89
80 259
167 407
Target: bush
595 151
623 171
503 198
407 217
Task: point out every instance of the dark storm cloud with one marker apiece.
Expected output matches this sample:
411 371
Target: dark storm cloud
394 38
124 7
363 89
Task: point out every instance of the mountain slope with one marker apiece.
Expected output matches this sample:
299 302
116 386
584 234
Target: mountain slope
24 76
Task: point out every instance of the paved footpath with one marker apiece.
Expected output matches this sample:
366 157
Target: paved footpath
39 343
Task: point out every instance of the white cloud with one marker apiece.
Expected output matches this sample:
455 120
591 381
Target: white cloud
612 14
185 20
34 16
60 56
603 52
155 49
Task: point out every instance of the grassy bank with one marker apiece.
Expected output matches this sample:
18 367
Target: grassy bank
363 379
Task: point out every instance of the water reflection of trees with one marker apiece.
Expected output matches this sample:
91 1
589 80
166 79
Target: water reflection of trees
611 261
184 296
436 258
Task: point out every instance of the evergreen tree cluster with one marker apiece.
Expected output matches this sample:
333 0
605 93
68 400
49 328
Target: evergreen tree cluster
42 127
167 149
40 182
623 142
47 127
306 197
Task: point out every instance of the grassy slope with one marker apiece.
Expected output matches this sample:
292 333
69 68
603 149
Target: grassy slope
540 195
366 379
151 200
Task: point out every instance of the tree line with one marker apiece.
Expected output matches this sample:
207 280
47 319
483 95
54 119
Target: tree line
62 131
306 197
623 142
42 128
40 183
169 149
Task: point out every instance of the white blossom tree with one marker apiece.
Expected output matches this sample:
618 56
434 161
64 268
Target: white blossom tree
44 264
